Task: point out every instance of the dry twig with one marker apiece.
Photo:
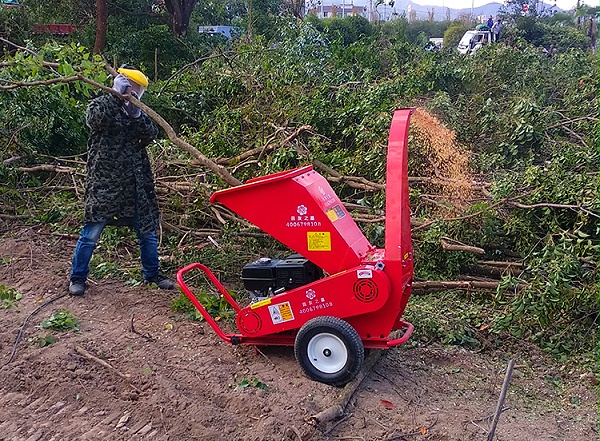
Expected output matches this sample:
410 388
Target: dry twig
509 371
103 363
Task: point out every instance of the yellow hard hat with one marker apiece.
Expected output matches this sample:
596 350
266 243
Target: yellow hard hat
134 75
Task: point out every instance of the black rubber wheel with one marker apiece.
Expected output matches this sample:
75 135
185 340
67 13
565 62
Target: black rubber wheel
329 350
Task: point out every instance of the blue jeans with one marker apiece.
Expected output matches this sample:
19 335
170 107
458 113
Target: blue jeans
90 234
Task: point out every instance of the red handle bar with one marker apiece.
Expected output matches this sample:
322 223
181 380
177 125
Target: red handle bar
198 305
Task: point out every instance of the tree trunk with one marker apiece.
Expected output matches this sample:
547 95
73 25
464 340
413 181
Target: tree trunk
101 15
181 11
295 8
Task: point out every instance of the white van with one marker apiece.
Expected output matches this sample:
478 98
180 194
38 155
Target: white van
473 41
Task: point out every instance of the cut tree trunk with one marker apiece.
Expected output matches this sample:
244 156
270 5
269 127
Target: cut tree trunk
443 285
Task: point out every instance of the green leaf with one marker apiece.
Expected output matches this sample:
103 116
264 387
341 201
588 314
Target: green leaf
60 321
251 382
46 341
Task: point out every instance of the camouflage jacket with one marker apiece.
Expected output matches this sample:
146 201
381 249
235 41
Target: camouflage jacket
120 185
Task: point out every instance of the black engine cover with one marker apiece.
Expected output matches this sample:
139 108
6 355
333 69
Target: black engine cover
274 274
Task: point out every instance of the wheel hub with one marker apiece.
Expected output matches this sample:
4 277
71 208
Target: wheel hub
327 353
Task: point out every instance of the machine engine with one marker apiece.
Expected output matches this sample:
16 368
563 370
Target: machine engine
267 277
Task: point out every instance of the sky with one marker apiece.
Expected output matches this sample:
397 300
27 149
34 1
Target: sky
459 4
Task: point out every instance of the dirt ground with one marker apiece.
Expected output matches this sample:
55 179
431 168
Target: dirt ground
168 378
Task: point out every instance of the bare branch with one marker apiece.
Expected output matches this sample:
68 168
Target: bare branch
192 64
457 246
21 48
570 121
551 205
357 182
544 204
47 168
267 148
17 84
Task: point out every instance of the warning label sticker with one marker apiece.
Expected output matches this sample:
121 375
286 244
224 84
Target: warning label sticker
260 303
282 312
319 240
335 213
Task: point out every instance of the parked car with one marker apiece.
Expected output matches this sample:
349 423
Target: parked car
9 4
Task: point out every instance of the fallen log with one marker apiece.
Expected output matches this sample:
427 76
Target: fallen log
446 245
14 216
502 264
443 285
468 278
491 271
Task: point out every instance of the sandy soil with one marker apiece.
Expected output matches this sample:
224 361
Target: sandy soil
168 378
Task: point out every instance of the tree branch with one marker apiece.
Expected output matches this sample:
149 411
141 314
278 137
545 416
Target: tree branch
21 48
267 148
47 168
551 205
459 246
17 84
193 63
366 185
338 408
570 121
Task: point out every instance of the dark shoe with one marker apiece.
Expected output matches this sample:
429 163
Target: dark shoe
161 282
77 287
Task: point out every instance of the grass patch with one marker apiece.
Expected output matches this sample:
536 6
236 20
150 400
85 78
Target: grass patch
450 317
8 297
217 307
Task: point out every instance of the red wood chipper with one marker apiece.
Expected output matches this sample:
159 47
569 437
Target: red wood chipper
329 319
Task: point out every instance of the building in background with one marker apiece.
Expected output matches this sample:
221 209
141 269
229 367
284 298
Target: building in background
336 10
372 11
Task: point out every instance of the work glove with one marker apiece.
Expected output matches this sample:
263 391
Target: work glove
121 84
130 108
